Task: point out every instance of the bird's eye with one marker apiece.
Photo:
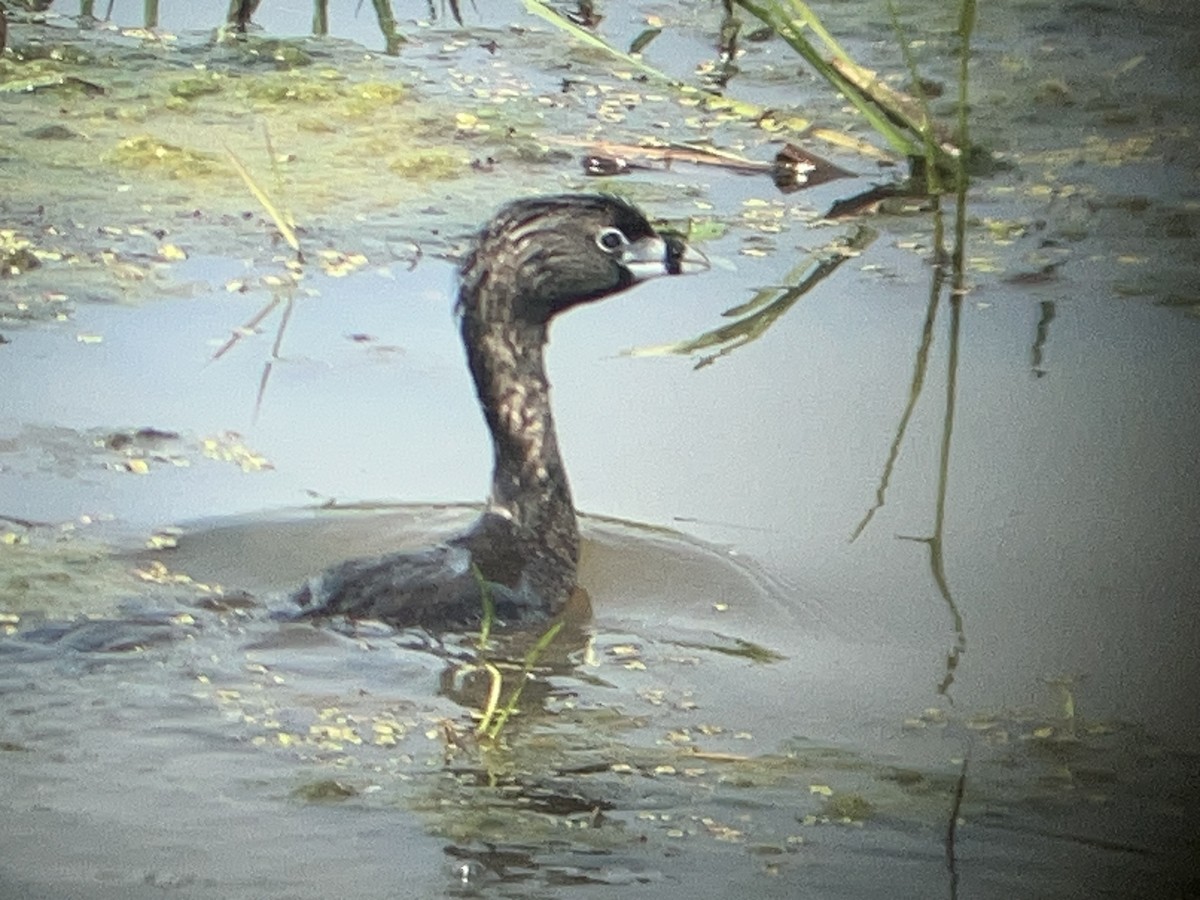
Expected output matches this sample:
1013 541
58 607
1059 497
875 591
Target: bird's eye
610 240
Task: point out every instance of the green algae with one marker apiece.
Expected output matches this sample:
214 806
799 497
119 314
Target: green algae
279 89
65 69
848 807
344 136
431 165
144 151
275 52
364 98
64 53
197 86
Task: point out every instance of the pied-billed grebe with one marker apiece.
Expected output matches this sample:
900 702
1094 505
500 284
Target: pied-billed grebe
533 260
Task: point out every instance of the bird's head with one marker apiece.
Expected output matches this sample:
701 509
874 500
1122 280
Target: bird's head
540 256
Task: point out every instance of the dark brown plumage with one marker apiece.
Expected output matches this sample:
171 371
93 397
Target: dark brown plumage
533 260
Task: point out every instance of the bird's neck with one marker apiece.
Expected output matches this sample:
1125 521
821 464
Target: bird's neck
529 481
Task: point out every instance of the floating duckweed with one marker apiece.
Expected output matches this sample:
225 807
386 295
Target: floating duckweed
854 807
70 54
283 54
146 152
385 733
197 86
228 447
314 125
382 91
334 736
337 264
290 56
290 89
429 165
16 254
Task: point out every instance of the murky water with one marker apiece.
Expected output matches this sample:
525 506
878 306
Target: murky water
757 702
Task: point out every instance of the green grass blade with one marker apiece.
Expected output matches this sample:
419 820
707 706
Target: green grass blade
773 15
489 607
280 220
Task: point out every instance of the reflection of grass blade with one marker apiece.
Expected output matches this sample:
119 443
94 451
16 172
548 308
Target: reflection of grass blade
920 368
495 682
245 329
280 220
760 312
586 37
642 41
392 37
514 698
763 296
495 717
248 328
741 648
266 375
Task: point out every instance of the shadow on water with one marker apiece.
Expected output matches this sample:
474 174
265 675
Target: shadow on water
756 703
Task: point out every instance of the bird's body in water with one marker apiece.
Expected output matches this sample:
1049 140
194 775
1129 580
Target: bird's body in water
533 260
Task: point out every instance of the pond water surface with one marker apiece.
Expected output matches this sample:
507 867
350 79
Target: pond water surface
758 703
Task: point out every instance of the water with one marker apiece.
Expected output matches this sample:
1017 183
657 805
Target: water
757 703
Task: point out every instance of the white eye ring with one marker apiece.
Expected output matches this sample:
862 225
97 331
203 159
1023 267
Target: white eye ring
610 240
